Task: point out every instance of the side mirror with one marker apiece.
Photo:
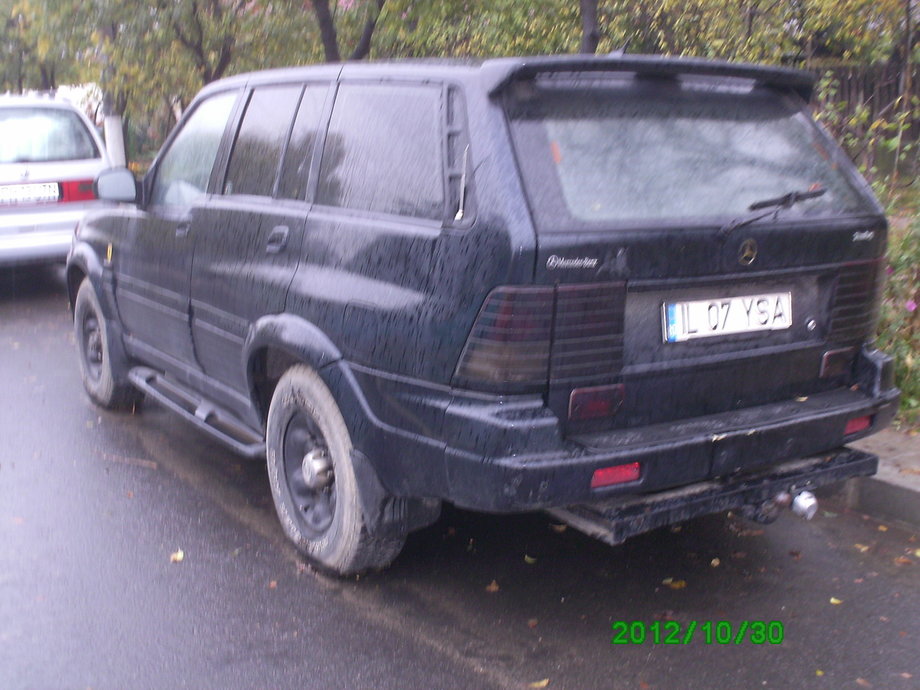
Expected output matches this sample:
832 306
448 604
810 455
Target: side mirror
116 184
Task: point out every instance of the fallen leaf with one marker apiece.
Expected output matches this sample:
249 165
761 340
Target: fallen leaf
829 514
676 528
835 601
884 619
674 584
130 494
529 560
19 521
273 584
177 556
882 528
862 548
558 529
532 623
906 676
643 685
715 562
801 398
917 553
540 683
819 673
858 581
739 554
796 554
902 560
492 587
863 683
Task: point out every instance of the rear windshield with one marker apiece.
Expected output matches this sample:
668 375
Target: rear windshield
648 152
38 135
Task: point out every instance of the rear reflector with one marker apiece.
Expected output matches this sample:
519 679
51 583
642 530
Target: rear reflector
595 403
854 426
617 474
77 190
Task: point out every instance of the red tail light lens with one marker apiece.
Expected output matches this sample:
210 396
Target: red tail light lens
617 474
510 340
854 426
77 190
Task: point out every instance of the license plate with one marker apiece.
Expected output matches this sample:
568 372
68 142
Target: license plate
36 193
706 318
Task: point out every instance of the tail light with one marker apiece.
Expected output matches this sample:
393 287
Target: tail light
509 344
77 190
856 302
526 338
616 474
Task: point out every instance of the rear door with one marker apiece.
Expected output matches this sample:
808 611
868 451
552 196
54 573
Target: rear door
248 246
635 184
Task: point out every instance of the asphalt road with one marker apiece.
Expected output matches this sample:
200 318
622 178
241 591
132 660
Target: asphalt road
93 505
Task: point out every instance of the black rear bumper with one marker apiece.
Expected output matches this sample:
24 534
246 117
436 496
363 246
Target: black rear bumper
616 520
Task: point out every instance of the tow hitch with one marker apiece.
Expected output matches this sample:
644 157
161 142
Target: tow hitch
759 496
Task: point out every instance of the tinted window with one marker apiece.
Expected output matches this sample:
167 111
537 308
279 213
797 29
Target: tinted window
257 151
383 151
33 135
303 138
185 168
636 154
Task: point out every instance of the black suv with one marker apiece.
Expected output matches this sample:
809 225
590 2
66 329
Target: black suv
627 290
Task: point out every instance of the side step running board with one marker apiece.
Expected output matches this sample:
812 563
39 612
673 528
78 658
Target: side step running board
205 415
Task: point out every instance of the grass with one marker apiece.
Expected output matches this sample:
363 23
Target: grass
899 321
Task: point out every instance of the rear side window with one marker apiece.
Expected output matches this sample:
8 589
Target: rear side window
38 135
256 155
383 151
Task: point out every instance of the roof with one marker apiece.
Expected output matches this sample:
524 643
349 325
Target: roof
496 75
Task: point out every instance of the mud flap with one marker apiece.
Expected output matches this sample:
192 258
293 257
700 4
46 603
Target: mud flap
616 520
386 515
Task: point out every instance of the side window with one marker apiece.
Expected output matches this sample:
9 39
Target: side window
303 138
383 151
256 154
184 170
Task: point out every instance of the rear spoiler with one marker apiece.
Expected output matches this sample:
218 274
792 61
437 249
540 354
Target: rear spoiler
499 74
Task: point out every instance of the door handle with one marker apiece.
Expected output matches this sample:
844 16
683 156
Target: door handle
277 239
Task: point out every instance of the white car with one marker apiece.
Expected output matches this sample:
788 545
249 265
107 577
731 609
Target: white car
49 156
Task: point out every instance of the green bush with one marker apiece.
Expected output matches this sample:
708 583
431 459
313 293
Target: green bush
899 323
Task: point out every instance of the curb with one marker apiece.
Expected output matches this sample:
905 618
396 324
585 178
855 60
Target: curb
894 493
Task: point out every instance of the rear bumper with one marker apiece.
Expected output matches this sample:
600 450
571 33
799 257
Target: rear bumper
508 454
669 455
40 236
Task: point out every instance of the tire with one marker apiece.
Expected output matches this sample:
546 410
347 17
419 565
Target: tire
319 507
104 381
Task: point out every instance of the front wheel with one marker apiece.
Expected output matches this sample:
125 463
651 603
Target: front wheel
313 482
103 379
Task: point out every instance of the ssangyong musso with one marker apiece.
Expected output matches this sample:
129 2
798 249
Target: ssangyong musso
626 290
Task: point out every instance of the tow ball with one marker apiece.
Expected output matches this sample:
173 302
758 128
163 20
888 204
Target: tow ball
803 504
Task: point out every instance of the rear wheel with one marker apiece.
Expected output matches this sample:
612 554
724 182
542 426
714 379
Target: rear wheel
104 381
313 482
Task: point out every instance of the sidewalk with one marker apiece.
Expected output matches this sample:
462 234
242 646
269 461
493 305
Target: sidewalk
893 493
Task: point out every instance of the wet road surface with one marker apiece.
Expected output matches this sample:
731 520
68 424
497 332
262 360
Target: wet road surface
93 505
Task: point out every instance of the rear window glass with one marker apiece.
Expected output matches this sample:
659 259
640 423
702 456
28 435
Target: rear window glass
36 135
652 152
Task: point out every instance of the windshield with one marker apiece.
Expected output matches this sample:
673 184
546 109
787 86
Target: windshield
661 151
38 135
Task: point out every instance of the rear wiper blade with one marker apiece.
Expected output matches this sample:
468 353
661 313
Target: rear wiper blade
775 205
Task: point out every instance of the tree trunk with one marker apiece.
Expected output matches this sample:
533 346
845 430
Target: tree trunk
327 30
590 32
364 45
